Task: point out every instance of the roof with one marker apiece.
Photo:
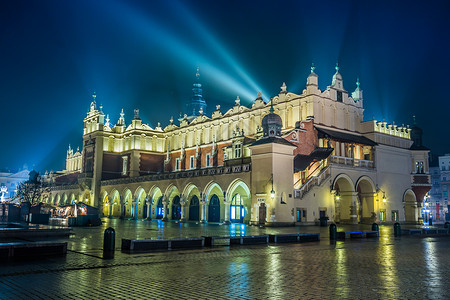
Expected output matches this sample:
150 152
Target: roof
301 162
273 139
345 137
418 147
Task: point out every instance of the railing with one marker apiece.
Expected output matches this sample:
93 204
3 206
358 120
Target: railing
420 179
352 162
311 182
180 174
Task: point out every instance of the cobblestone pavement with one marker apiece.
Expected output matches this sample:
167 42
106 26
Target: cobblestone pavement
383 268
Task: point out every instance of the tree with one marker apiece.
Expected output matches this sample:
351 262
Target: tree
32 189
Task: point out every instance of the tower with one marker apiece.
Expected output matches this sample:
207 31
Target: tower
197 103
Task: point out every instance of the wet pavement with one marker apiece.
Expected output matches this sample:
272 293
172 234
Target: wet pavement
387 267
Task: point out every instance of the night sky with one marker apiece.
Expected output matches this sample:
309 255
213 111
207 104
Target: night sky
143 54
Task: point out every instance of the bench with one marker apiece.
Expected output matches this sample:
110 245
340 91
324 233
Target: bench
294 238
342 235
145 245
34 249
237 240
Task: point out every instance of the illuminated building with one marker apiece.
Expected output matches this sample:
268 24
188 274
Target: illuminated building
9 181
295 159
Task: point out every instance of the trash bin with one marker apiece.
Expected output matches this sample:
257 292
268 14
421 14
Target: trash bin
109 241
397 229
333 232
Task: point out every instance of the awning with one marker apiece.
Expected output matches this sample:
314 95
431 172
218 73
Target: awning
344 137
301 162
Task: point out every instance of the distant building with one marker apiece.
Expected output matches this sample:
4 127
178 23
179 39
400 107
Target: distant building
296 159
9 179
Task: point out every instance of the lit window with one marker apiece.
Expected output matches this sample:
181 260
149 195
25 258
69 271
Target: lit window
208 160
124 165
192 162
419 167
237 150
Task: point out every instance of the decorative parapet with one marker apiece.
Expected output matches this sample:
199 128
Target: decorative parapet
420 180
384 127
352 162
180 174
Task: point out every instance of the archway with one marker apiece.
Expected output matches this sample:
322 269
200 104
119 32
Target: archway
114 204
127 204
410 205
64 199
194 209
176 208
106 204
214 209
345 202
238 194
58 200
140 207
214 212
365 201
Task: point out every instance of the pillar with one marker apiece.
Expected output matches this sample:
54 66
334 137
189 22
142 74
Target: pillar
202 210
227 209
165 203
149 209
183 209
111 207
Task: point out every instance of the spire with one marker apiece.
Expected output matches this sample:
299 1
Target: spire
337 81
357 95
237 101
337 67
107 121
313 79
121 119
197 100
312 68
414 120
93 106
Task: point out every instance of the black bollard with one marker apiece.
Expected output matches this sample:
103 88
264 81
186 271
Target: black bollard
333 232
397 229
109 242
375 227
446 225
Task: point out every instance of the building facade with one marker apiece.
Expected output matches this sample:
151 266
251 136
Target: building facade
295 159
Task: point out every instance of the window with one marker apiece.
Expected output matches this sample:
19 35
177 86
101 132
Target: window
177 164
394 215
124 165
445 194
208 160
419 167
339 96
382 215
237 150
192 162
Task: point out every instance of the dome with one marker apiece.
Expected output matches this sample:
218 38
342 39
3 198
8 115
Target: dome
271 124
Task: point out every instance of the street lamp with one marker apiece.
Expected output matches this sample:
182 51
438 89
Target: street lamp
272 192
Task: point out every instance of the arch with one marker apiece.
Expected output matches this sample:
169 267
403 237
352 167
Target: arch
64 199
86 198
366 190
153 196
126 203
410 206
58 199
214 209
176 208
105 204
140 208
159 214
345 200
114 204
194 209
71 199
238 194
211 188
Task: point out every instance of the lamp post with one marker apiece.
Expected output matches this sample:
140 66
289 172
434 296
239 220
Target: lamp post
272 192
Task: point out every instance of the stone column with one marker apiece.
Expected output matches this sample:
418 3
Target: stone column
111 207
165 203
149 209
202 209
227 210
183 203
353 208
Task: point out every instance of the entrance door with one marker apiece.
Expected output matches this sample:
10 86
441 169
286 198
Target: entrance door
214 209
237 209
262 213
176 208
301 215
194 209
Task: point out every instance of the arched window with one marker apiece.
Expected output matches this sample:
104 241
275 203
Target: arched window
237 209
